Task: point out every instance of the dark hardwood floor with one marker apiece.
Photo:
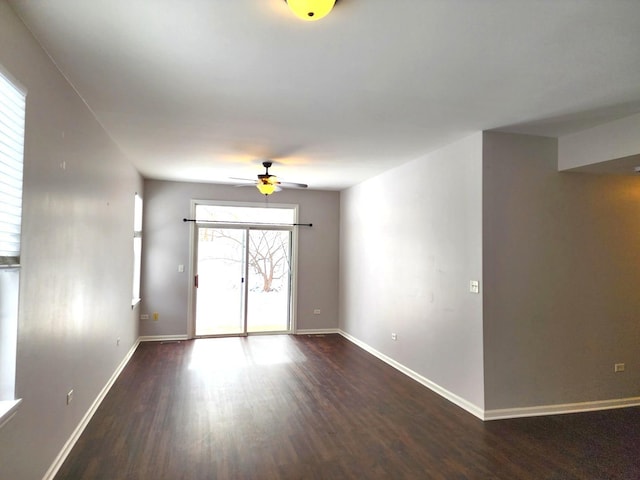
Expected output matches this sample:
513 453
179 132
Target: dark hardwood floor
286 407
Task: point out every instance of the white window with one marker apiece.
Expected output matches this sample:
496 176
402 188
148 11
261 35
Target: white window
12 119
137 248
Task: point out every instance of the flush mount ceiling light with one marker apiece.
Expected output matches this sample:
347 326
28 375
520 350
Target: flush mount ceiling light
311 10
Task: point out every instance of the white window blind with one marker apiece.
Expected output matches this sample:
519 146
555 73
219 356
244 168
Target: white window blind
12 115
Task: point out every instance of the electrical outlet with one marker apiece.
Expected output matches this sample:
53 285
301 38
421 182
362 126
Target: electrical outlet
618 367
70 396
394 336
316 311
474 286
144 316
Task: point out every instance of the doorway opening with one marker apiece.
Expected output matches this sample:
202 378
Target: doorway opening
243 266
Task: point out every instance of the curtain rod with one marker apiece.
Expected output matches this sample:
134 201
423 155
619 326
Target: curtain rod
250 223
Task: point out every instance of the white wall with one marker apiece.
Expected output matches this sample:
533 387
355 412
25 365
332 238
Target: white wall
561 269
166 245
411 240
77 260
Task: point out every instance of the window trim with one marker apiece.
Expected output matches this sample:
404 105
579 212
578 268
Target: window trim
8 409
294 259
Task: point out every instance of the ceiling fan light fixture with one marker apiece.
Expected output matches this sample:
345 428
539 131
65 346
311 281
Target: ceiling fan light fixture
267 183
311 10
266 188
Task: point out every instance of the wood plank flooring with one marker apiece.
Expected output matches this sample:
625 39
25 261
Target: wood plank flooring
289 407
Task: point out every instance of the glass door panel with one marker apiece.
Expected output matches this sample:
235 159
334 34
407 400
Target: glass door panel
220 304
269 284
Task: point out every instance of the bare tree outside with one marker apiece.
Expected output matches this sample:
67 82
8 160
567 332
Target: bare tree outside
268 256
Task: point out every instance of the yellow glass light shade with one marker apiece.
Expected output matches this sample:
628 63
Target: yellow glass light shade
311 10
266 188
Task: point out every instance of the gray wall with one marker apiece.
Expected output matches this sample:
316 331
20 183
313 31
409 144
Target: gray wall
561 269
411 240
612 140
77 260
166 245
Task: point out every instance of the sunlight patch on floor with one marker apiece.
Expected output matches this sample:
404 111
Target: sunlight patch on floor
236 353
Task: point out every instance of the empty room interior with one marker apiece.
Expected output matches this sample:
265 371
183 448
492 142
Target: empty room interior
315 239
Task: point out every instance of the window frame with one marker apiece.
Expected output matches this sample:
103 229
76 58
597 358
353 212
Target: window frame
12 144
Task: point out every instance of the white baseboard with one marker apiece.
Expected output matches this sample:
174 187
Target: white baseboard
163 338
500 414
443 392
66 449
317 331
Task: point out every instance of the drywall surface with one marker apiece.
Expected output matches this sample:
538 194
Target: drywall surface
605 142
561 268
166 244
77 258
410 243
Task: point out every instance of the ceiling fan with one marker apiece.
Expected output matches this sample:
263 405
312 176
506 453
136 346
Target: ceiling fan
267 183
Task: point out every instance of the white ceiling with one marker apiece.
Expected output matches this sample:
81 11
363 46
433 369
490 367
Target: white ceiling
205 89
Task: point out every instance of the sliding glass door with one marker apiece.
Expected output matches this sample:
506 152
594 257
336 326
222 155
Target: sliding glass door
243 280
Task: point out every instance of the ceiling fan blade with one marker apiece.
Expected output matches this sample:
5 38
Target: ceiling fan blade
243 179
293 185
